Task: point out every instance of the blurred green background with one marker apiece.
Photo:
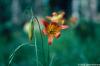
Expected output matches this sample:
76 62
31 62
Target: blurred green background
80 44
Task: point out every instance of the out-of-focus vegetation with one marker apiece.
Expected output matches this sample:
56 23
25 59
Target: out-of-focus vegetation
77 45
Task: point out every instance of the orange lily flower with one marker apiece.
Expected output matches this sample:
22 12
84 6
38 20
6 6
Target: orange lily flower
52 30
58 18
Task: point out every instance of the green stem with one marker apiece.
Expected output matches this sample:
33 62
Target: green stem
36 49
35 41
52 58
41 39
48 54
12 55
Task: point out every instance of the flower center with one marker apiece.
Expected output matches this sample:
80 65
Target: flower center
53 29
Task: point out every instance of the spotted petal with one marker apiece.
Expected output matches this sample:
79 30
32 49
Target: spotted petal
45 23
57 35
44 31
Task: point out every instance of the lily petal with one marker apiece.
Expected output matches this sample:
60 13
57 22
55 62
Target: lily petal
62 21
57 35
64 26
44 31
50 39
48 17
45 23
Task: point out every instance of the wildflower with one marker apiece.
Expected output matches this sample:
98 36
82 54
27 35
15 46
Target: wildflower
28 28
52 30
58 18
